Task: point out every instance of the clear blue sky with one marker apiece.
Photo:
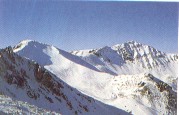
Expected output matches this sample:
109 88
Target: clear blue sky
84 25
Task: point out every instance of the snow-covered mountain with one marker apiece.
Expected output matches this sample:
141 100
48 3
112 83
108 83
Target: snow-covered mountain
127 54
29 83
132 58
133 77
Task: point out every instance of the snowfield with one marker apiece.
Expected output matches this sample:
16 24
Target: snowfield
27 81
129 78
11 106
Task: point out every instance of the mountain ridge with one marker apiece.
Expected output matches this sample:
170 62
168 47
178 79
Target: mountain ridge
107 58
36 85
124 63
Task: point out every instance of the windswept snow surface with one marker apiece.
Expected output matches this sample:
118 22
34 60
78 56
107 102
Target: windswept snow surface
27 81
10 106
115 75
133 58
83 77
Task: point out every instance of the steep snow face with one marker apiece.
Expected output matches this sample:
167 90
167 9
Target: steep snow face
47 54
103 74
27 81
132 58
148 56
72 69
132 54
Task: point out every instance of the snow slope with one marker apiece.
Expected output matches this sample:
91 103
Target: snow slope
10 106
133 58
65 67
27 81
105 74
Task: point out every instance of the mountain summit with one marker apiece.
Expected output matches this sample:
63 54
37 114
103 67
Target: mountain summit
26 81
129 76
127 54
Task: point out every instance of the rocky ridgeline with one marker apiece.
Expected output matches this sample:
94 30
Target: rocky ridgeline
129 54
35 83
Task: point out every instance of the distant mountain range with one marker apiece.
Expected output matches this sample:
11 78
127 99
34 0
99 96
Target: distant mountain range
128 78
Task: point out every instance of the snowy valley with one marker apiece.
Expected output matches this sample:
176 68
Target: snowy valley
128 78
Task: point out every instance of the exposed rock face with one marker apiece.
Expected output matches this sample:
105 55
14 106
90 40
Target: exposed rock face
11 75
148 90
166 90
120 78
127 54
27 81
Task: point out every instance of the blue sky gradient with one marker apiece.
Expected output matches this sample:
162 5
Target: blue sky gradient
85 25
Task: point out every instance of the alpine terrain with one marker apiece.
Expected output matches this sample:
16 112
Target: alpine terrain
26 81
128 78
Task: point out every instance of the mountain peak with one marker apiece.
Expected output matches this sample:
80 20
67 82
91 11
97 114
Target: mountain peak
26 41
132 41
108 73
32 42
21 45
